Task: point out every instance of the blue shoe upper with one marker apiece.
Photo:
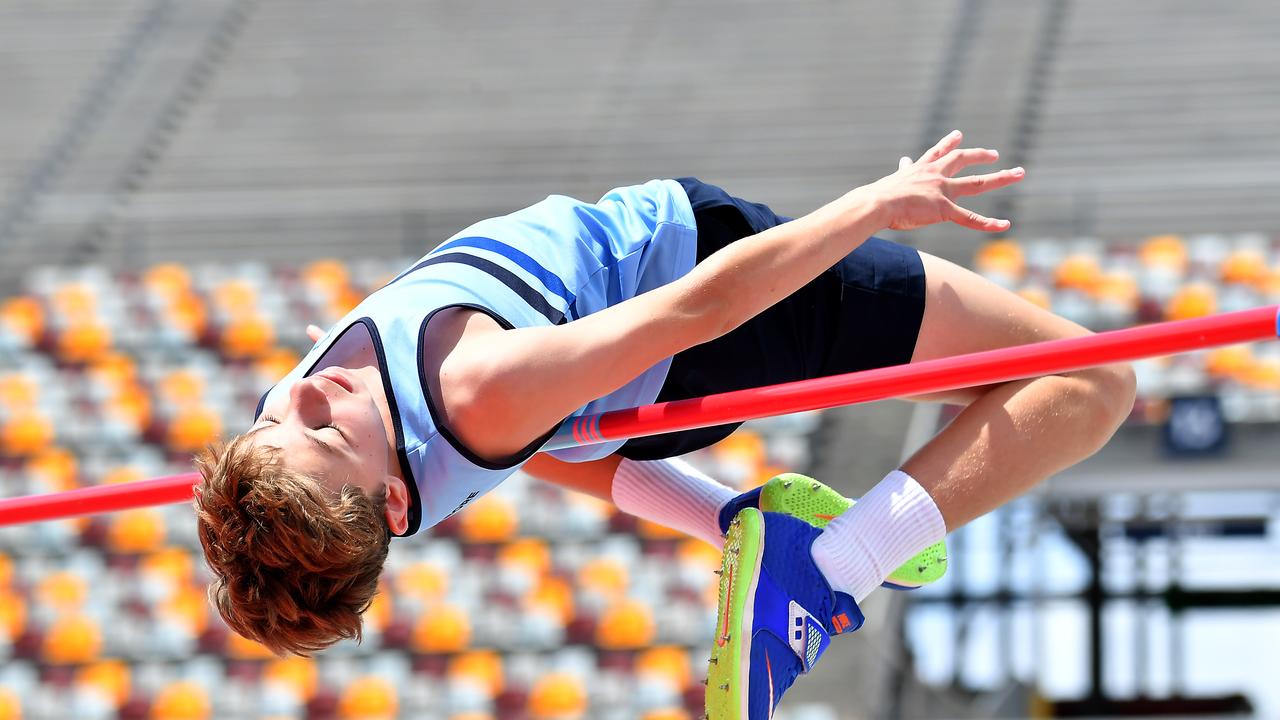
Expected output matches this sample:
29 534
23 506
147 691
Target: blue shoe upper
750 498
795 612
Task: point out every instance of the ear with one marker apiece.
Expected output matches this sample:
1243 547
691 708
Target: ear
397 504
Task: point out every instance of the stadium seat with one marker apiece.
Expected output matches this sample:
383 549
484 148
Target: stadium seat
1193 300
606 577
10 705
23 317
83 341
557 696
444 628
1002 262
55 468
247 336
13 614
192 429
553 595
484 668
368 698
136 531
491 518
299 674
626 625
111 677
182 700
61 592
72 639
25 434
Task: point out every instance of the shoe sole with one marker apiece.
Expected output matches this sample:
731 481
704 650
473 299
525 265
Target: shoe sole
802 497
728 675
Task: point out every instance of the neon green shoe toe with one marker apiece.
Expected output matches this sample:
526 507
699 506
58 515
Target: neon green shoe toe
800 496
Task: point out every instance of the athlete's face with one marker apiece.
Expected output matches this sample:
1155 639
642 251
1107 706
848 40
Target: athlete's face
328 426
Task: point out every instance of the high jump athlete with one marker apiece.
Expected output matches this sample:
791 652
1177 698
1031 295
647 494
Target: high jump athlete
442 383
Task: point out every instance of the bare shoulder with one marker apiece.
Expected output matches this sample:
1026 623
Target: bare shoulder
451 343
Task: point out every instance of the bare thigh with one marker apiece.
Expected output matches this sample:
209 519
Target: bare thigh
965 313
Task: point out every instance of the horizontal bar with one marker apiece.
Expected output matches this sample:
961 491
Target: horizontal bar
983 368
931 376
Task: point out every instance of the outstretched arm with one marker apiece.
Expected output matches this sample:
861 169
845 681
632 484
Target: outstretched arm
502 389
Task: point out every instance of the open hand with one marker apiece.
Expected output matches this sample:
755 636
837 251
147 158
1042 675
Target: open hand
922 192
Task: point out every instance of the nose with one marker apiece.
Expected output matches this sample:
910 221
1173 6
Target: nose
308 400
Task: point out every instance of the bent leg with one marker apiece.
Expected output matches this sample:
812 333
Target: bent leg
1014 435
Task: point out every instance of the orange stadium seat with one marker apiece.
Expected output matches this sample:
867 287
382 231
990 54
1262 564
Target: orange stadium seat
423 581
369 698
557 696
110 677
240 647
189 607
1265 374
626 625
136 531
1168 252
13 613
1244 266
1002 261
74 302
442 628
235 297
667 662
326 274
192 429
299 674
10 705
275 363
18 392
182 700
181 387
72 639
55 468
130 405
187 313
167 280
553 595
247 336
1192 301
1078 271
6 571
24 434
481 667
24 317
491 519
83 341
1232 362
530 553
604 576
63 592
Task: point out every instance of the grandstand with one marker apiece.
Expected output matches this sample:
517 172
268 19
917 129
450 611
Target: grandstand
184 186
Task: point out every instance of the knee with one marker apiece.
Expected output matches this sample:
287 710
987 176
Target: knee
1113 389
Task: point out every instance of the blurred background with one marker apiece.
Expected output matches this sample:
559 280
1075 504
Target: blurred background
185 185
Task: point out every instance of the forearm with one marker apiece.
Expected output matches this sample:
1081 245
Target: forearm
744 278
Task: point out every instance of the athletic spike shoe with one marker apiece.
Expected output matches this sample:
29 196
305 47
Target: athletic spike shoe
804 498
776 616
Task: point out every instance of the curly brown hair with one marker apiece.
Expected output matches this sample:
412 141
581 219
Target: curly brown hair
294 564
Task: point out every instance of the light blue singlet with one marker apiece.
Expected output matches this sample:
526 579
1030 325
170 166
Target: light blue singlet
551 263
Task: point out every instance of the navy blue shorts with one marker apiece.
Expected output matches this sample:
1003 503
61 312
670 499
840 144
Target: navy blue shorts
863 313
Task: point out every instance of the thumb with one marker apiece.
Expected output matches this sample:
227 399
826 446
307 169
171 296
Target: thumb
904 162
315 333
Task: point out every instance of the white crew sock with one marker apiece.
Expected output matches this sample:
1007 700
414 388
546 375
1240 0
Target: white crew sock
674 493
887 526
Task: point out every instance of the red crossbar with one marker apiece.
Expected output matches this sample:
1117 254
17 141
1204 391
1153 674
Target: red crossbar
983 368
